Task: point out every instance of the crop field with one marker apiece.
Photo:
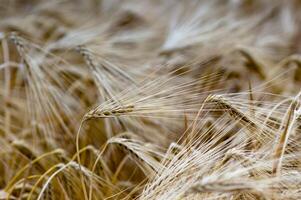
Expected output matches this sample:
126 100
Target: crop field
150 99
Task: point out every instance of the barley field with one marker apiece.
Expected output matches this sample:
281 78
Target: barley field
150 100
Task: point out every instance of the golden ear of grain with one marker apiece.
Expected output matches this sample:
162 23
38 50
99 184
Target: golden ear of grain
232 111
16 39
24 149
283 139
291 59
140 153
114 112
253 63
221 187
19 42
84 52
244 120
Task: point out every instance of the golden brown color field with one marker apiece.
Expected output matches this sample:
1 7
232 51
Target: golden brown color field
153 99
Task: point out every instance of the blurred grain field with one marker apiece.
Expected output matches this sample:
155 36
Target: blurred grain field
153 99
